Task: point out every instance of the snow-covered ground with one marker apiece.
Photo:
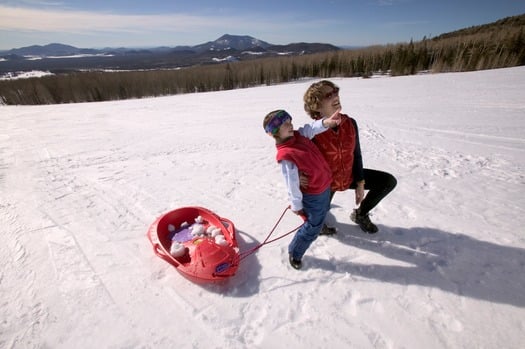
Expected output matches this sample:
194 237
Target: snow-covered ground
81 183
24 75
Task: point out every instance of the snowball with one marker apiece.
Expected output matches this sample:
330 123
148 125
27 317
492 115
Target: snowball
216 232
177 249
220 240
211 228
198 219
171 228
184 224
197 229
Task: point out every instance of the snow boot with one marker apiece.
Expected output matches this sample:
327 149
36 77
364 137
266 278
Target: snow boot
364 222
326 230
295 263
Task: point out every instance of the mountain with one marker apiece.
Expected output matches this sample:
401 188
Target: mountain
232 42
227 48
50 50
226 42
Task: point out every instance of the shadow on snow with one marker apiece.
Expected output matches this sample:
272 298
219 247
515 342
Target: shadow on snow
455 263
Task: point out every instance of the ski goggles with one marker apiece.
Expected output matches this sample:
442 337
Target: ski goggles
277 121
331 94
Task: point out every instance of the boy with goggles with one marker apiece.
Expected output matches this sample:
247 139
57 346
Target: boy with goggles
298 155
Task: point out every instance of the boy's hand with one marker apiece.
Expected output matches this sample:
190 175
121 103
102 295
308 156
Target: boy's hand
301 214
334 119
359 194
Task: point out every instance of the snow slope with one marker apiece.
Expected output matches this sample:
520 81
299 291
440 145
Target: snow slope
81 183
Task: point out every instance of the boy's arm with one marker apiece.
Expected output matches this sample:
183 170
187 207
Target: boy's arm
358 157
291 177
315 127
312 129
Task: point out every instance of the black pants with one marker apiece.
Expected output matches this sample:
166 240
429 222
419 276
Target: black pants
378 184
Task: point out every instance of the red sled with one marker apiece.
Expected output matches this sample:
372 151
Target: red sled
197 242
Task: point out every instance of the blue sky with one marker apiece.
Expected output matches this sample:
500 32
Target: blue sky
135 23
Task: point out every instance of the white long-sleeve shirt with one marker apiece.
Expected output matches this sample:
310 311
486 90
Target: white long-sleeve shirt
290 171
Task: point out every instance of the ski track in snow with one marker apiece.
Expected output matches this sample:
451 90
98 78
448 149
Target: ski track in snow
80 184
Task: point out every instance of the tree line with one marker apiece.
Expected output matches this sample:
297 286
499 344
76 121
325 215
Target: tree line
497 45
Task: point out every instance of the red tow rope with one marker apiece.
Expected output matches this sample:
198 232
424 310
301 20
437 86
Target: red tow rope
267 241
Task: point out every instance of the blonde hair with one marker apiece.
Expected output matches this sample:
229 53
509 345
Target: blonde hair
313 97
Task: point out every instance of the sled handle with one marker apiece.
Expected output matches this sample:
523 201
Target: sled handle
159 252
267 240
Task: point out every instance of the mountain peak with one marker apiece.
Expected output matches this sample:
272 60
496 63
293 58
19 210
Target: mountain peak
53 49
235 42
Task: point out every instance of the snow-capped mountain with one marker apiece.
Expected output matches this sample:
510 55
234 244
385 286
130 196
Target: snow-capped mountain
233 42
225 48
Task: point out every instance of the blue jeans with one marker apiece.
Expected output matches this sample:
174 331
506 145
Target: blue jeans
316 208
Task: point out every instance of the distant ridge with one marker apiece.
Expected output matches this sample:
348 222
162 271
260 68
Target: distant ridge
507 22
53 49
226 42
227 48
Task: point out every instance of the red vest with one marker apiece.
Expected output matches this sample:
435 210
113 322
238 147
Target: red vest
309 161
337 147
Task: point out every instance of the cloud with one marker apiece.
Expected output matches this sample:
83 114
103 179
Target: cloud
91 28
23 19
